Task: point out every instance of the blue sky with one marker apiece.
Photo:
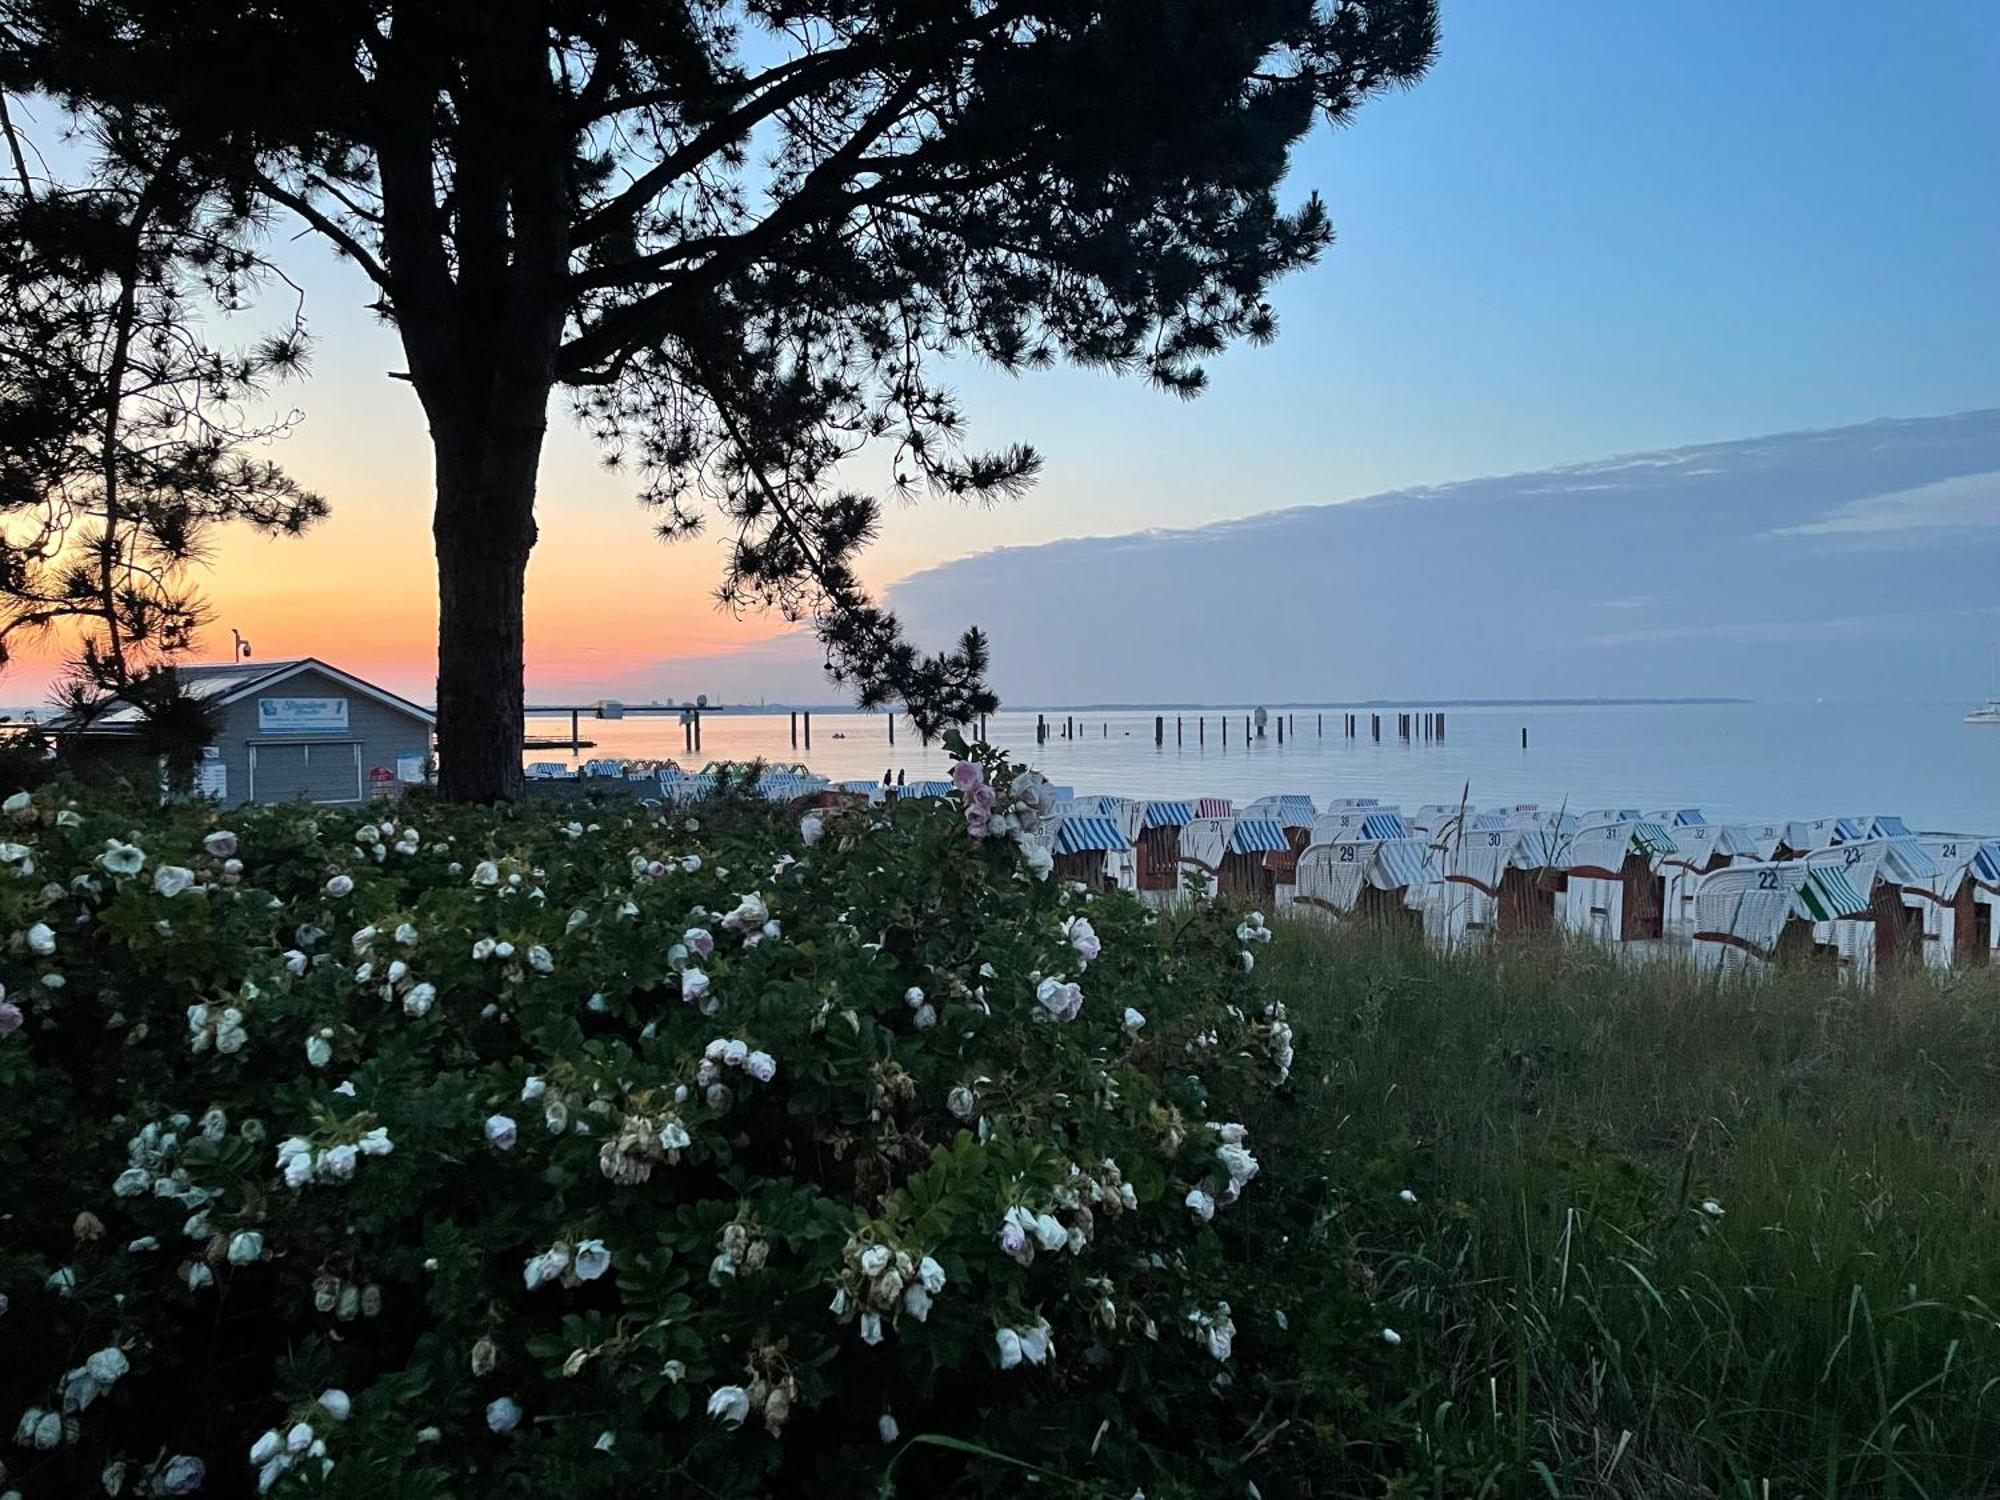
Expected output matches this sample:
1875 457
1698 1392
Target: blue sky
1598 227
1594 228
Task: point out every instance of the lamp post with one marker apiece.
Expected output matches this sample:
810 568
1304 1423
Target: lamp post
242 646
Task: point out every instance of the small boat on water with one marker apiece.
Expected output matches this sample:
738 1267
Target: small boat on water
1989 714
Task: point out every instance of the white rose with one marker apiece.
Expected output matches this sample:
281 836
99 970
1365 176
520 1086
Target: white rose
120 858
1201 1204
592 1260
335 1403
1008 1343
340 885
729 1403
41 939
694 985
245 1247
503 1415
319 1051
486 873
761 1066
420 999
811 828
501 1132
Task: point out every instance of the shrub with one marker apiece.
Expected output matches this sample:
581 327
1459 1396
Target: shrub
592 1151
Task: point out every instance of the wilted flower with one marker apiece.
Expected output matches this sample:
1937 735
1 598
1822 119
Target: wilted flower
761 1066
960 1101
886 1426
1008 1344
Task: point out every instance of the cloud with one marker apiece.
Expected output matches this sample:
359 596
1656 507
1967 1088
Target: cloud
1966 500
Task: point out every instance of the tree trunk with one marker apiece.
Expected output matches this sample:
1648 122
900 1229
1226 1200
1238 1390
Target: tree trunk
484 530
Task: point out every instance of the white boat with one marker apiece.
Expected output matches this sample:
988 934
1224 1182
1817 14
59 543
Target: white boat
1990 714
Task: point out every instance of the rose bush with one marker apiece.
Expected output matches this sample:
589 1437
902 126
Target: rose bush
595 1151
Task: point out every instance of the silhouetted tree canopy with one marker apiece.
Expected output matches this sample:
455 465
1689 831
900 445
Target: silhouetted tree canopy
739 234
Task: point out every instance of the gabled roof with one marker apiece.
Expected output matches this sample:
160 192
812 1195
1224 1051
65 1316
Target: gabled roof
226 683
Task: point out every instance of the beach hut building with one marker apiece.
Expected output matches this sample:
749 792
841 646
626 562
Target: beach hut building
1214 807
1086 848
1494 881
1378 883
1699 851
1260 856
1204 844
1957 913
290 730
1892 879
1613 888
1157 849
1750 915
1802 837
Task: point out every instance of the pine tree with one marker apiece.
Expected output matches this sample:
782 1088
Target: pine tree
739 234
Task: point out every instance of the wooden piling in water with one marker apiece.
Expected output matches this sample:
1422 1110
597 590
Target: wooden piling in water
1524 736
1159 729
809 728
892 726
1281 729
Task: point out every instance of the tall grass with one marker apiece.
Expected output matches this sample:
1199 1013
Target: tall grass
1575 1322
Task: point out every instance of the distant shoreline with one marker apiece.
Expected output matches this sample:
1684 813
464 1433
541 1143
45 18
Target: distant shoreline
1294 704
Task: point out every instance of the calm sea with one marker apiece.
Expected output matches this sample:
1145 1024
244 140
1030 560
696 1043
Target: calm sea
1747 761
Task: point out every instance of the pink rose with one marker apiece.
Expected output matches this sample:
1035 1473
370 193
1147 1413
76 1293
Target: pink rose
965 775
983 797
975 822
10 1018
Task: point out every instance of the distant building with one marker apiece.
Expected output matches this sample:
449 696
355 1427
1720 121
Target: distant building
296 730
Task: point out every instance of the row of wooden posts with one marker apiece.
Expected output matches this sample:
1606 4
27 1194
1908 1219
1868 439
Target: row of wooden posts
1409 726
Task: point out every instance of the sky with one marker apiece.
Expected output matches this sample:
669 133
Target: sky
1594 229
